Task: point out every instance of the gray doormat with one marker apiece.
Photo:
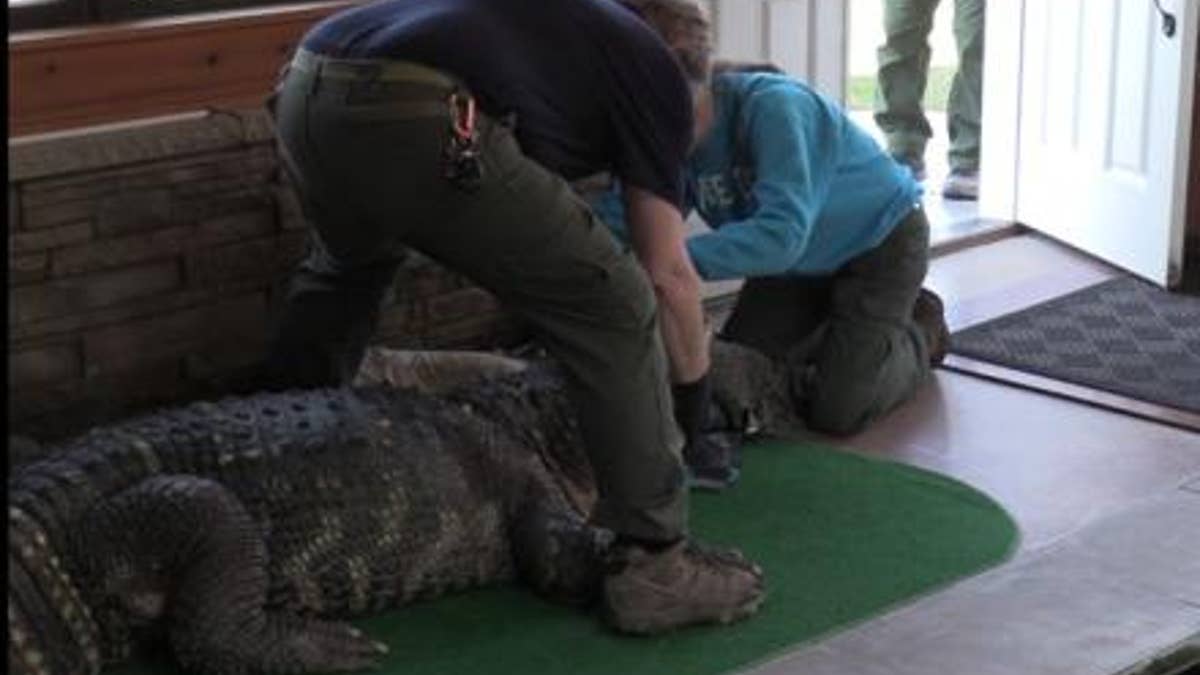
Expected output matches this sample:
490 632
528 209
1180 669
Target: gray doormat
1123 336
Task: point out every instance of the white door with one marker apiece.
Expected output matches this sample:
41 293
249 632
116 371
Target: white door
807 38
1104 128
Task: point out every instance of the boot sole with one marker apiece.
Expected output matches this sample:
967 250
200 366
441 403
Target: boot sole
668 620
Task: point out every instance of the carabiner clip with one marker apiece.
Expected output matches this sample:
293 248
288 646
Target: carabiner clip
462 116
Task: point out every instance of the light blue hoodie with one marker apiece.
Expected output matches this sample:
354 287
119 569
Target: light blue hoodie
804 190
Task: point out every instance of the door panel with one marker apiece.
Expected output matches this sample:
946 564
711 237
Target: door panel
1105 110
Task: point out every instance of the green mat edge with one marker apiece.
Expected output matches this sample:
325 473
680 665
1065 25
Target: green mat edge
912 470
826 447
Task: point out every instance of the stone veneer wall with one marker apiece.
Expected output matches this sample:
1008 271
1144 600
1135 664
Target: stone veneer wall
146 264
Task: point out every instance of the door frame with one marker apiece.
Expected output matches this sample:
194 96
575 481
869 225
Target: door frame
1004 48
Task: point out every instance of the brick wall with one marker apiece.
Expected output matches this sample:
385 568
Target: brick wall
146 264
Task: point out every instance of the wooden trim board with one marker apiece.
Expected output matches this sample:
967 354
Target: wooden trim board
1095 397
68 78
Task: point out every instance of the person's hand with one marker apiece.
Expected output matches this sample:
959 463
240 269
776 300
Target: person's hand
713 460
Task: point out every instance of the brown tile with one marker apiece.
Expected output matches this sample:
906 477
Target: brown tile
984 282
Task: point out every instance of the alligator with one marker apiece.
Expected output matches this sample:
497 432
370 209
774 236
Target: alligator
244 533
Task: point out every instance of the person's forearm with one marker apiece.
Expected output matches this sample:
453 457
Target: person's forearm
657 232
681 321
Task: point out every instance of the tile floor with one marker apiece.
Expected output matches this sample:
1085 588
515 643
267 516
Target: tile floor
1105 580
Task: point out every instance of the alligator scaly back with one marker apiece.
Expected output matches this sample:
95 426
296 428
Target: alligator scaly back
246 525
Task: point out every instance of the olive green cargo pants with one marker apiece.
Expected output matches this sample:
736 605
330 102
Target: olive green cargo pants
904 71
364 143
851 345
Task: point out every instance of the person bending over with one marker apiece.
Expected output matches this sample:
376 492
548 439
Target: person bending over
452 127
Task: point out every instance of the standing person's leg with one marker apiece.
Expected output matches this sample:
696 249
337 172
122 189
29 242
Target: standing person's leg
903 73
966 101
521 233
529 239
334 295
526 237
873 354
329 315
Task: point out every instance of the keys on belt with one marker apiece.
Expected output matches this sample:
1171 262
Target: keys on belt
460 157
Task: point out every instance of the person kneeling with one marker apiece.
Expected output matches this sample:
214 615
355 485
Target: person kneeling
829 234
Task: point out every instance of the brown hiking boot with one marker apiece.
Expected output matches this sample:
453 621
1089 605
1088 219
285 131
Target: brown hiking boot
683 584
930 315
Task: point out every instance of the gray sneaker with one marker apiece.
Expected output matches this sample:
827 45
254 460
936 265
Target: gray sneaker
648 592
961 184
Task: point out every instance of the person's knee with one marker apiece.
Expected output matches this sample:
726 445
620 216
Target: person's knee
840 410
630 291
837 420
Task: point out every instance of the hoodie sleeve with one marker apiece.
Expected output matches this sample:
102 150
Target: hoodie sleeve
610 208
793 141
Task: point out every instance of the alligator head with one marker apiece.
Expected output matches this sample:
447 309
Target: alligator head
752 392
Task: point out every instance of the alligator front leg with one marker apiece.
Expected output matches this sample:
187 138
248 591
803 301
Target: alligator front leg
557 553
184 550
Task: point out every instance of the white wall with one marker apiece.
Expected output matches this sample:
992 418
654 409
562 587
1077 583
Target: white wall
805 37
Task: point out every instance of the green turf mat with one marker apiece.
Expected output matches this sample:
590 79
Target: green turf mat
841 538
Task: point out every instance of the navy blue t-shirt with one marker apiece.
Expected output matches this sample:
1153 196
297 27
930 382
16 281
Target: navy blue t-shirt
593 87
